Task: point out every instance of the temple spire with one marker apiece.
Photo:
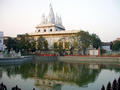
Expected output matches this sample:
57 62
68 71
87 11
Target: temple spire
43 20
51 16
51 19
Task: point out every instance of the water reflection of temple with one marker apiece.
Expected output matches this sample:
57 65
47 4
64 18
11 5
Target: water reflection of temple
0 72
51 74
43 84
94 66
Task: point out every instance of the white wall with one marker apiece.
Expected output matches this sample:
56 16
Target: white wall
93 52
107 48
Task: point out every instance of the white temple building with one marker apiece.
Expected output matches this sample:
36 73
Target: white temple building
51 28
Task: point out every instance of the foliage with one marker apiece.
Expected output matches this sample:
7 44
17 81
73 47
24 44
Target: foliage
61 47
75 43
55 46
46 45
66 45
102 51
12 43
42 44
24 43
33 45
95 41
84 40
71 50
116 46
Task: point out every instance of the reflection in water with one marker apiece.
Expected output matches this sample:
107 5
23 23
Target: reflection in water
0 72
51 75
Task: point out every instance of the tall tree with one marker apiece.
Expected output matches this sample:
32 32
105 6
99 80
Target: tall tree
55 46
33 45
66 45
46 45
95 41
60 46
24 43
116 46
84 40
75 44
41 43
72 44
12 43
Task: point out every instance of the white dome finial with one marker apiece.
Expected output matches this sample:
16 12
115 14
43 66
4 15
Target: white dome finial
50 6
51 16
56 19
60 20
43 19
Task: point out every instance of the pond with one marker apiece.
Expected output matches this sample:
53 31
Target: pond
55 75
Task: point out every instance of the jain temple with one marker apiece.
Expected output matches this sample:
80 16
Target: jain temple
52 29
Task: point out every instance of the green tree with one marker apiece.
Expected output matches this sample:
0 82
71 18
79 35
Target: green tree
66 45
116 46
71 50
75 44
95 41
72 44
84 40
12 43
24 43
60 47
55 46
46 45
15 45
32 45
41 43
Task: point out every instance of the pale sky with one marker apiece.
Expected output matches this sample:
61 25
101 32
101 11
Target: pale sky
95 16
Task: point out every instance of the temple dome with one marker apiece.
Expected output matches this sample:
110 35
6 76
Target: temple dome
51 16
43 20
50 23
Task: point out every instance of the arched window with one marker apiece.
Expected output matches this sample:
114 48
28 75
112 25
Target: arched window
44 30
38 30
50 30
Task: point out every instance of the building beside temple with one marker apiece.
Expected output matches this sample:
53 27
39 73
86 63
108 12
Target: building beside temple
2 46
52 29
118 39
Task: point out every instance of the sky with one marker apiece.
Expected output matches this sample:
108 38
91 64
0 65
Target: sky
101 17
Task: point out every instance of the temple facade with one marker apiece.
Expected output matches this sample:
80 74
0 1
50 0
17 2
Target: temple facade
52 29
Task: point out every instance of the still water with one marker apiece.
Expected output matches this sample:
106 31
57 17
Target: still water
54 75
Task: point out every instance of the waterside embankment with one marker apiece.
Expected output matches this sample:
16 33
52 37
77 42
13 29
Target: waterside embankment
9 60
92 59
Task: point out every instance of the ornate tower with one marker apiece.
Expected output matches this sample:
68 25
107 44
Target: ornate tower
51 16
51 23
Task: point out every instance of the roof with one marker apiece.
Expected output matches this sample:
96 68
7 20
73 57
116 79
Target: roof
106 43
55 32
